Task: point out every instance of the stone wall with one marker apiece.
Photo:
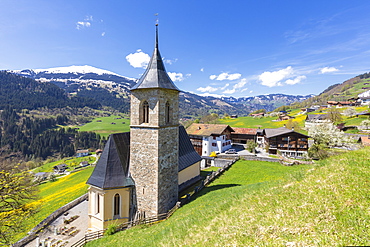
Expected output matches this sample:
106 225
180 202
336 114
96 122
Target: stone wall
33 233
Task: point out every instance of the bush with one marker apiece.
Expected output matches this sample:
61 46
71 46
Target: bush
112 228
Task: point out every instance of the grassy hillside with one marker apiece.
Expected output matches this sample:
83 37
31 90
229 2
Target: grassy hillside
53 195
107 125
321 205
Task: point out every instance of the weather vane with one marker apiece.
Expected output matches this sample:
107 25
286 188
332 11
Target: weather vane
156 20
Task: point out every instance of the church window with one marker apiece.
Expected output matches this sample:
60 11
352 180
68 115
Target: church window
97 203
167 112
145 112
117 204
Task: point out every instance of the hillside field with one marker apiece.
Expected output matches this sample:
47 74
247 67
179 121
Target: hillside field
266 204
107 125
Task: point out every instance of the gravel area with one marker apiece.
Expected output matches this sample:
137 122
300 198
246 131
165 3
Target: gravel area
79 225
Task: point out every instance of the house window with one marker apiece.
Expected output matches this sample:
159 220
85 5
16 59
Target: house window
214 137
145 112
117 204
214 145
167 112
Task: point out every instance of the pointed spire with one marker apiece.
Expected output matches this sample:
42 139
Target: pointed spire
155 75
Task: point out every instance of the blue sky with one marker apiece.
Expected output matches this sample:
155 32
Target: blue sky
231 48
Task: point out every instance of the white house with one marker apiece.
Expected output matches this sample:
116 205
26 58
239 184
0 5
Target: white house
208 138
364 98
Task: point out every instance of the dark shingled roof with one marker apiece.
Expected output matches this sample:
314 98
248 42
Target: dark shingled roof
155 75
280 131
187 154
111 171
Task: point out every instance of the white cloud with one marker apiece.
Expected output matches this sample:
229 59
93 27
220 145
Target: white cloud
236 86
202 69
138 59
224 87
251 91
207 89
176 76
272 79
229 91
328 70
169 61
296 80
86 23
103 34
225 76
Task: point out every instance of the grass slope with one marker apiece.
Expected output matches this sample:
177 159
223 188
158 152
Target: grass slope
191 219
322 205
104 126
53 195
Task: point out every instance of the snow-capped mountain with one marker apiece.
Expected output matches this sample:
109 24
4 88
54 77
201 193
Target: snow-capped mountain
111 89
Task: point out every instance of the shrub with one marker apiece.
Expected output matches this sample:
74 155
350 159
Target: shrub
112 228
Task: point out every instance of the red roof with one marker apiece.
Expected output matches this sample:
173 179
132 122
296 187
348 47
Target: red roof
247 131
365 140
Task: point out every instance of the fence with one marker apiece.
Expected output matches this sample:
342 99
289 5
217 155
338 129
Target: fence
151 220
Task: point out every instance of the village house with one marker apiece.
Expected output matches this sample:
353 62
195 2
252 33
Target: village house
208 138
82 153
140 173
242 135
313 119
60 168
286 141
364 98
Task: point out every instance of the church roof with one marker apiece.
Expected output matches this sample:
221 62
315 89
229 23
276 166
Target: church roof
187 154
155 75
112 169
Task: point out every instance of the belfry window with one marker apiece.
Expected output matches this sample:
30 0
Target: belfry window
117 204
145 112
167 112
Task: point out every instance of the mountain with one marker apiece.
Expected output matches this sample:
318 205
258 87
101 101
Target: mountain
25 93
349 89
111 89
268 102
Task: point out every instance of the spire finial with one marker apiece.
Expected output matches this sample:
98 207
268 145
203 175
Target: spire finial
156 30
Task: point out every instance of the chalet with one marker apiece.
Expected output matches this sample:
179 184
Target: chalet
41 176
234 116
84 163
242 135
313 119
82 153
283 117
60 168
261 114
287 141
207 138
364 98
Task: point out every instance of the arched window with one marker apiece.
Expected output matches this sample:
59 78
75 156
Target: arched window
145 112
117 205
167 112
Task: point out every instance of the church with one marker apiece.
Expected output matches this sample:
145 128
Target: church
140 173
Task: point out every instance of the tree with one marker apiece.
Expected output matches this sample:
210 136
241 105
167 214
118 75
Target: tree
334 115
251 145
366 124
328 135
290 124
16 189
349 112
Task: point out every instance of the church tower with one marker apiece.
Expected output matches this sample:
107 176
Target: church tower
154 147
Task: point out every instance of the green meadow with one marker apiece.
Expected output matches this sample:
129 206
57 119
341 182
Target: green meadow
266 204
107 125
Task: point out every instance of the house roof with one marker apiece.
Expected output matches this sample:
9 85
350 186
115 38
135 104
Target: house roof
187 153
112 169
313 117
82 151
245 131
207 129
61 166
280 131
155 75
365 140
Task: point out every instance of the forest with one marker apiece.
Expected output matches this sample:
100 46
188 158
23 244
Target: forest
41 137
